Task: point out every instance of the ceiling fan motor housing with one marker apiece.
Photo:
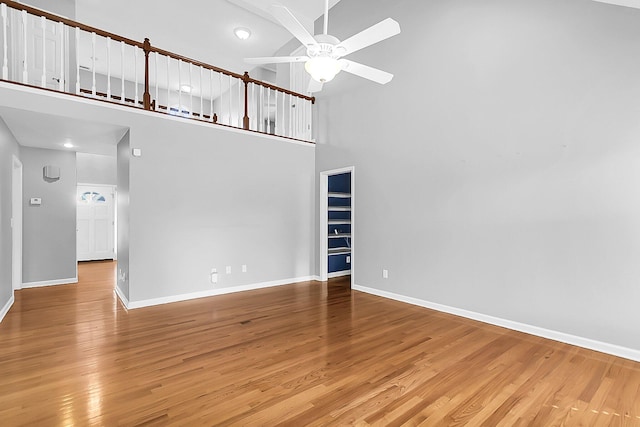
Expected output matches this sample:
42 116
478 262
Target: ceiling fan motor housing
327 46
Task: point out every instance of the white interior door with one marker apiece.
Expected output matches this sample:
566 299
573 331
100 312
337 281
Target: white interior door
95 222
42 49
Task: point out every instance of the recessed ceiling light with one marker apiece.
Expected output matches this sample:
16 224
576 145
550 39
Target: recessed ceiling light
68 145
242 33
185 88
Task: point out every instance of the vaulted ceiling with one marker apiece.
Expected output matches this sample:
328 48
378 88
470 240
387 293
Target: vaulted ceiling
201 29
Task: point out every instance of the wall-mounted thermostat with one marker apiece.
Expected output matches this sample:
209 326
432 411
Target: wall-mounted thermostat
35 201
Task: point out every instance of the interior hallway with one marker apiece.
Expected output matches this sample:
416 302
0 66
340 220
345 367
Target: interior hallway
303 354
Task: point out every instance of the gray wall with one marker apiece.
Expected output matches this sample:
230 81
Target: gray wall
96 169
201 197
124 149
49 236
66 8
8 148
498 171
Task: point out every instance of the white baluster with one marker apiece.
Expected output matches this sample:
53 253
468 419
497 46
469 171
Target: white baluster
290 116
269 110
155 59
168 88
77 61
230 83
296 116
109 68
190 90
5 61
25 73
261 111
283 128
211 95
254 107
275 118
305 120
179 87
43 26
310 123
201 93
240 105
220 86
135 69
122 61
93 63
61 82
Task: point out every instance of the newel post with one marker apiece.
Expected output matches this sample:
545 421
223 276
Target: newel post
245 120
146 98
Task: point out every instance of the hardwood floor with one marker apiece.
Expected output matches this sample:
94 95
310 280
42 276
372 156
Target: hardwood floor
304 354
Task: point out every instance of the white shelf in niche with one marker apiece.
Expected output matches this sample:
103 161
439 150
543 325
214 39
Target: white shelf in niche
339 251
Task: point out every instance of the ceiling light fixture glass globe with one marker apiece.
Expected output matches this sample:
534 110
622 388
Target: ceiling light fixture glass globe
322 68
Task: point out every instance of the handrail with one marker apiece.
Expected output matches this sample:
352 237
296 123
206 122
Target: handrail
147 48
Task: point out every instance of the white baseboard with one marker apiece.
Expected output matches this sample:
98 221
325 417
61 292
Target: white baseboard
6 308
212 292
339 274
613 349
121 297
50 283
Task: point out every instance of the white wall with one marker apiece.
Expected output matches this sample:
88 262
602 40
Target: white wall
49 230
8 148
96 169
497 172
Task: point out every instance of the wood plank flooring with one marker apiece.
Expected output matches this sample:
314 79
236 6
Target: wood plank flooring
308 354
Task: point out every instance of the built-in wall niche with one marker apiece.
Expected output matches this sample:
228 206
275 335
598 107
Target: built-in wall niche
339 224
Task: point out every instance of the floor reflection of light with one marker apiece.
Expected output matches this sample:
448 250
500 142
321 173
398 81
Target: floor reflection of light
67 411
94 404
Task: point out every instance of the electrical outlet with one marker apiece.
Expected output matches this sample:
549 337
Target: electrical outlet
228 269
244 268
385 274
214 275
348 259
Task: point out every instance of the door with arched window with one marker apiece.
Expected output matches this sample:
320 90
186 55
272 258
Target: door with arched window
95 222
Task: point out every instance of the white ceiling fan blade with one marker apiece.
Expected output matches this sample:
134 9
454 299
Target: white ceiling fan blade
314 86
276 59
291 23
365 71
374 34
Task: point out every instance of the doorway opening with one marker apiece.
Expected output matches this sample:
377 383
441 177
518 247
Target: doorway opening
337 223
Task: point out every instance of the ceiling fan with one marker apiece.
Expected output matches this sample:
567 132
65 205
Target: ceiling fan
324 58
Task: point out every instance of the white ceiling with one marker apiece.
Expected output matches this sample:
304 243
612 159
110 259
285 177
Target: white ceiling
198 29
53 132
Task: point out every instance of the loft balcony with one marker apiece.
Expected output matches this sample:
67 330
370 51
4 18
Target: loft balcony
49 52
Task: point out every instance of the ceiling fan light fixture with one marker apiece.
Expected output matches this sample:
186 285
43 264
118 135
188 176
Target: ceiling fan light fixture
322 68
